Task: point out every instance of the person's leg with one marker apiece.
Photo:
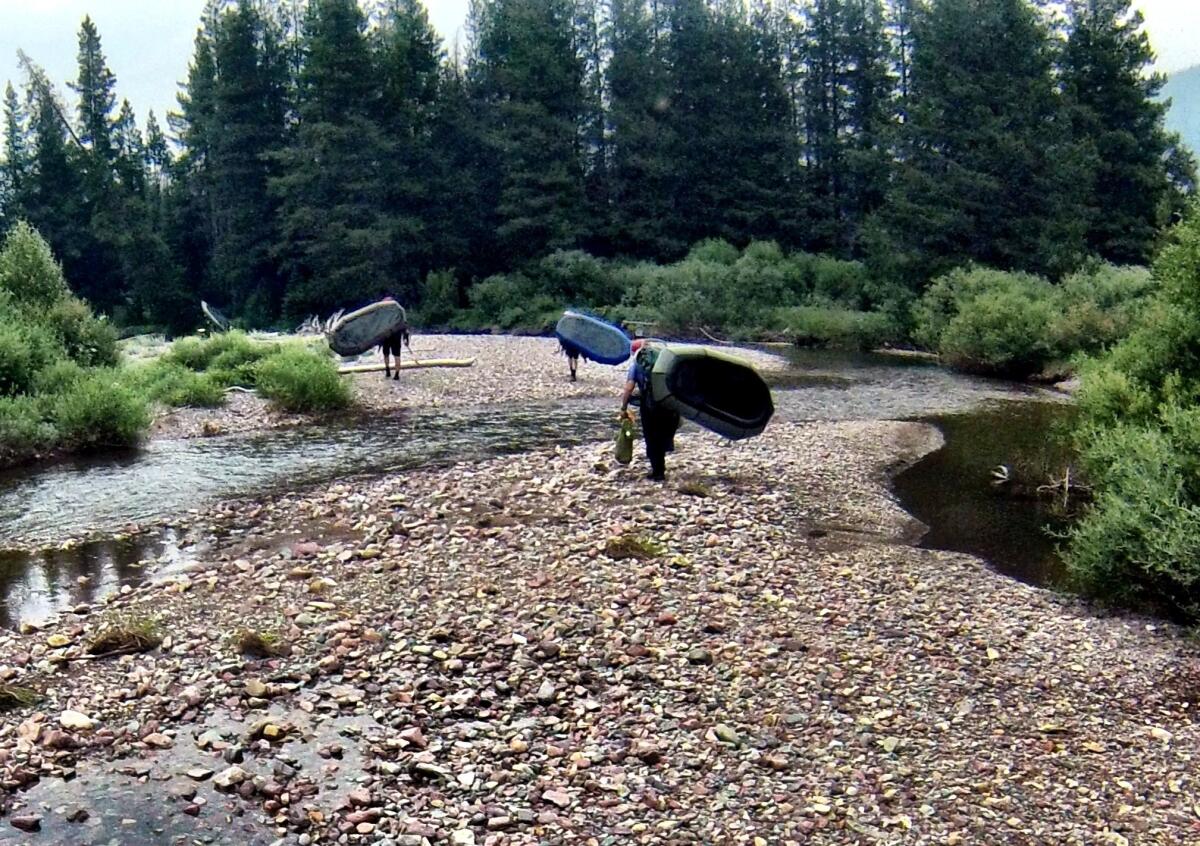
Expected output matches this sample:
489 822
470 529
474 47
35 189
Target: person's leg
387 367
573 363
396 354
656 446
672 427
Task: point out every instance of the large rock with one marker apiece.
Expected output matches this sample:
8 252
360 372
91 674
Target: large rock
75 721
230 778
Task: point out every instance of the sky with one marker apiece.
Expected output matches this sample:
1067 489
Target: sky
149 42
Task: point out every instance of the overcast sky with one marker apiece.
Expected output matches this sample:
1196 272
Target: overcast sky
149 42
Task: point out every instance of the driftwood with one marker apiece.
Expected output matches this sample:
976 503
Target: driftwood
410 365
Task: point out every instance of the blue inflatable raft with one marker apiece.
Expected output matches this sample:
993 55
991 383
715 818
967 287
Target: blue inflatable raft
594 338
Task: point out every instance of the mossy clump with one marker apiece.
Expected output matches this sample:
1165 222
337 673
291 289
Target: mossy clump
695 488
634 547
258 644
126 635
14 696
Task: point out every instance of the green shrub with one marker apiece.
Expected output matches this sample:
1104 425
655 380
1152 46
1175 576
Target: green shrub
174 385
229 358
838 328
1139 438
99 411
28 271
22 426
1100 305
713 251
89 340
575 278
58 377
1140 539
498 295
439 299
297 379
1000 332
954 292
26 348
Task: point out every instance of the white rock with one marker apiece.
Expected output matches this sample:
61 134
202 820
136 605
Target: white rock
230 778
75 721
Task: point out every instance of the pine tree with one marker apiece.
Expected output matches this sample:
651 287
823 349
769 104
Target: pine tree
847 93
336 235
899 26
95 86
409 54
14 168
159 159
1112 92
464 180
991 174
130 150
594 137
529 77
190 212
246 131
639 150
53 202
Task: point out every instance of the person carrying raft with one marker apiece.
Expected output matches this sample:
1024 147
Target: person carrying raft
659 424
391 347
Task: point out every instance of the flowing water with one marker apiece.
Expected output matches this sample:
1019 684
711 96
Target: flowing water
40 506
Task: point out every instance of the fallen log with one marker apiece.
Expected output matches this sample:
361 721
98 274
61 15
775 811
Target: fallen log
410 365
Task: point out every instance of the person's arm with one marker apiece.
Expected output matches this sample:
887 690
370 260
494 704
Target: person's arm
627 394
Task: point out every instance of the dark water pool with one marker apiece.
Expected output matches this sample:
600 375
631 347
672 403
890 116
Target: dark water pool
955 491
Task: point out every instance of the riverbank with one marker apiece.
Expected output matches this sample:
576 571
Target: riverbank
507 369
474 658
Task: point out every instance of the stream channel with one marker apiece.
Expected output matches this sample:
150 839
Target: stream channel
986 423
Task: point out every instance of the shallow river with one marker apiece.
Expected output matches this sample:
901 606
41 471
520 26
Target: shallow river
41 506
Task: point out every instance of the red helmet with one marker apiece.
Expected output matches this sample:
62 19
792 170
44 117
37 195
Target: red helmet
637 345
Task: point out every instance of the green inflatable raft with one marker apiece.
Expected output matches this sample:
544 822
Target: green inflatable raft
713 389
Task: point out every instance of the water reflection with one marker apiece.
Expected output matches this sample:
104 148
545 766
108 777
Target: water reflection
170 477
35 585
1009 525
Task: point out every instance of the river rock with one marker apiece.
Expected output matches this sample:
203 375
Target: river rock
230 778
75 721
27 823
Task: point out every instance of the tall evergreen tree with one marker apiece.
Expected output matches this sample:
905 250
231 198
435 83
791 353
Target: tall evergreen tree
95 86
991 174
130 150
594 136
191 215
159 158
336 234
529 77
847 94
53 202
15 165
1112 92
639 150
247 129
409 55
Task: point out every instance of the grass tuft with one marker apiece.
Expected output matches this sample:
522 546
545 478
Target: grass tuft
634 547
258 644
695 488
14 696
125 635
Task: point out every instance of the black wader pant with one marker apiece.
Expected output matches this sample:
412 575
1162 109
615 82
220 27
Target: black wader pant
658 429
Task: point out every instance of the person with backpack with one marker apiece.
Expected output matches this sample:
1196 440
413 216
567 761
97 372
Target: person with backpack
659 423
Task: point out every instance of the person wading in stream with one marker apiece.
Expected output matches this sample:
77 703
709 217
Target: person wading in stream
659 424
